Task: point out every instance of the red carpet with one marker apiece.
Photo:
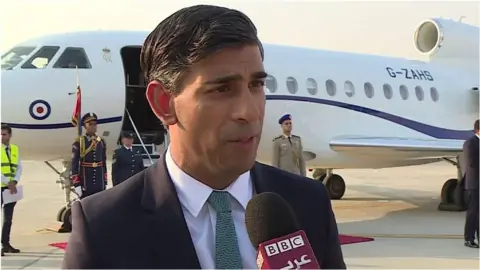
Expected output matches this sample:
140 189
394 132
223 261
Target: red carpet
350 239
344 240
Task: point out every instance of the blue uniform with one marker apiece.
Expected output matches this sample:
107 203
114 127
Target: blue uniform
125 164
89 162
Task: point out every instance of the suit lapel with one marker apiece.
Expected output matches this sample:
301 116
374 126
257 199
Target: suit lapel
265 183
170 241
269 183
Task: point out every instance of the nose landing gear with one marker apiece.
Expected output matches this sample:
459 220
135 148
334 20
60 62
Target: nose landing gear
64 215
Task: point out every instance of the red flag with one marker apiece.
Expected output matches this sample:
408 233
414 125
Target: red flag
78 108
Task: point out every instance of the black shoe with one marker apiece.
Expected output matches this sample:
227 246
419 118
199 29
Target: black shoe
7 248
471 244
3 254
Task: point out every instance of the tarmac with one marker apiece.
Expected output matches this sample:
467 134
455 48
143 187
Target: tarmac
397 207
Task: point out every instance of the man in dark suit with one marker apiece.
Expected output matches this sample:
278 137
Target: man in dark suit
470 151
126 161
204 65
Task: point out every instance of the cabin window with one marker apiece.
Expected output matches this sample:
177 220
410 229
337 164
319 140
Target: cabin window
331 88
292 85
349 89
15 56
271 84
434 94
42 58
403 92
419 93
369 91
312 87
387 91
73 58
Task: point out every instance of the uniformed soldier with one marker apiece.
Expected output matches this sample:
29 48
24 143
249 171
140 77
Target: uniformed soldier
89 161
126 161
287 149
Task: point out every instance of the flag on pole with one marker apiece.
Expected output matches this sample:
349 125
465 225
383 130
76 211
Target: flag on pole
77 110
78 105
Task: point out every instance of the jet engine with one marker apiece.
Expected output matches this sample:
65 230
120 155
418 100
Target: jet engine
442 38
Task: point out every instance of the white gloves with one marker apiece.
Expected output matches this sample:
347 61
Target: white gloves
78 190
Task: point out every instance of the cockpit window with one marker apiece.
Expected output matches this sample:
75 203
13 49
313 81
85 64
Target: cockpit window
73 58
41 58
15 56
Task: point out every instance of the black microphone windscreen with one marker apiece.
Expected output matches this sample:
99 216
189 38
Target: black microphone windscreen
269 216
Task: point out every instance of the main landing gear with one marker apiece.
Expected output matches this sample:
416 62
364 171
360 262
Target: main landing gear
452 194
64 215
333 182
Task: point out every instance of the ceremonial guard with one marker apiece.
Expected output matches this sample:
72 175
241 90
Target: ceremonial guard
89 161
287 149
126 161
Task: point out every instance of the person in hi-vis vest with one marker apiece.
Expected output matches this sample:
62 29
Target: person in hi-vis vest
11 171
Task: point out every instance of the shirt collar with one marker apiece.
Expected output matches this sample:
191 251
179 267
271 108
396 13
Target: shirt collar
478 136
193 194
128 148
286 136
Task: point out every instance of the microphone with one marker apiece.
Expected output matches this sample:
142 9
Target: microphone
273 229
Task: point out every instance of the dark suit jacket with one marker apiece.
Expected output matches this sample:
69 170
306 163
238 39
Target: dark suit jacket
470 150
140 224
126 164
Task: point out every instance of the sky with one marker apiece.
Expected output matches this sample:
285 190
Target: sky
384 28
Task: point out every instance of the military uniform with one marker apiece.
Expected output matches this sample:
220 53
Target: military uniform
287 154
287 150
89 162
126 163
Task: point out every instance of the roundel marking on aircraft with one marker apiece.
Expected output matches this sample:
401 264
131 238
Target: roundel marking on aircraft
39 109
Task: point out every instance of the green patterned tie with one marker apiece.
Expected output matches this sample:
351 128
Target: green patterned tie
227 254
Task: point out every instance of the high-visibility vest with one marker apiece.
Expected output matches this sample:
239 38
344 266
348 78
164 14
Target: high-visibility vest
9 165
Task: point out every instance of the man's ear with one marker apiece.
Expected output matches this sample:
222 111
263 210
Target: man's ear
161 102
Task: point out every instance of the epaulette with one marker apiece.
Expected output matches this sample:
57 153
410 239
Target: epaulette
295 136
278 137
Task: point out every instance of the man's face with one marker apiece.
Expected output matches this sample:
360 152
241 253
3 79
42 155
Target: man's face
287 126
219 114
127 141
5 137
91 127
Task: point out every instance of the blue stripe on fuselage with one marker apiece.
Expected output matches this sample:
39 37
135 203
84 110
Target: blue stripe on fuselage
61 125
436 132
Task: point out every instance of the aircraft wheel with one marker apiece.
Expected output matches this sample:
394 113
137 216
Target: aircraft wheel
459 198
448 191
60 213
335 186
321 177
67 217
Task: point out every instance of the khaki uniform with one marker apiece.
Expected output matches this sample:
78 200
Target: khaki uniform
288 156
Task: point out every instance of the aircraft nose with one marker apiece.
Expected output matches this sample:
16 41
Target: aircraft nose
13 96
6 100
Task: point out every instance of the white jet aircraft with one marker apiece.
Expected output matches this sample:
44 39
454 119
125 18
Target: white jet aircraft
351 110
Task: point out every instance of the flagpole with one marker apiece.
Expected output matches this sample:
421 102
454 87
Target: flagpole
79 124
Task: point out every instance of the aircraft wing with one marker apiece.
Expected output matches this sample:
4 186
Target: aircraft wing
410 148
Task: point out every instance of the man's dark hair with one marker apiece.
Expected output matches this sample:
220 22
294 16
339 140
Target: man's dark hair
190 35
7 128
476 126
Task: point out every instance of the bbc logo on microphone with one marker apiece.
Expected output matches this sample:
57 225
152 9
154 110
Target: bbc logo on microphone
284 245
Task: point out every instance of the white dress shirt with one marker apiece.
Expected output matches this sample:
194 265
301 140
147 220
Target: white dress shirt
201 218
19 170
